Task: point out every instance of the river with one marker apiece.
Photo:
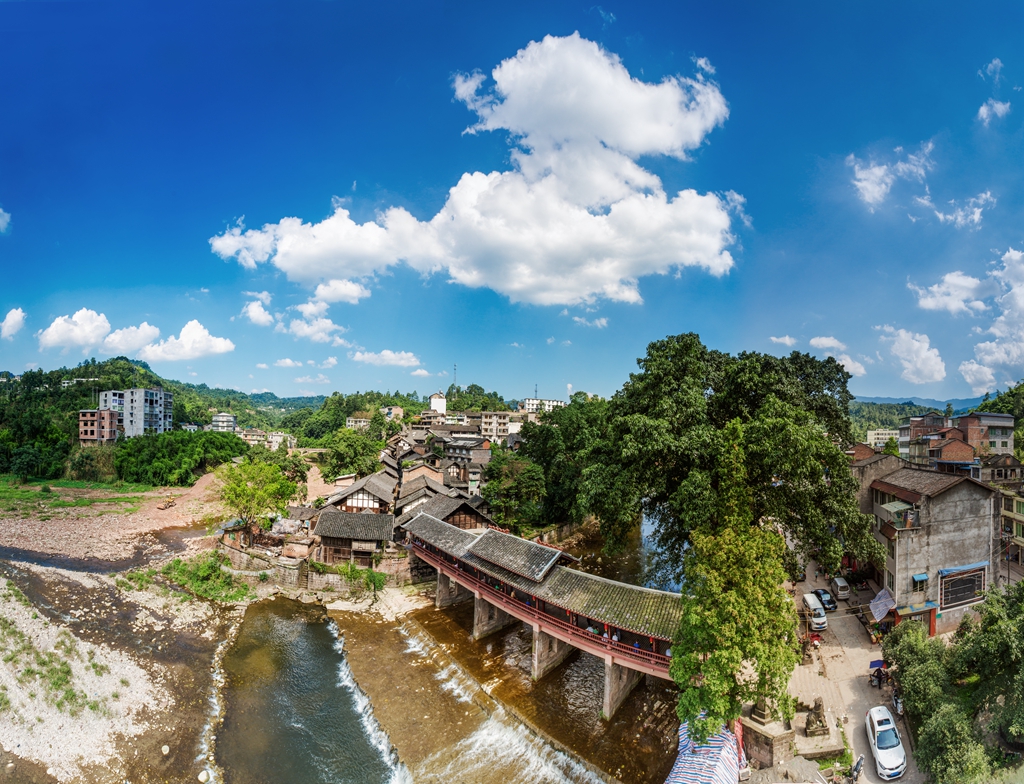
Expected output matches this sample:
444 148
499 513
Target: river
431 705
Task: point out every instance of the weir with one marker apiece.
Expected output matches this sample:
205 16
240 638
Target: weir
511 579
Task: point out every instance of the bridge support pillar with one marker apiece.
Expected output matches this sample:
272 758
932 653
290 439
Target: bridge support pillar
619 681
487 619
449 591
548 653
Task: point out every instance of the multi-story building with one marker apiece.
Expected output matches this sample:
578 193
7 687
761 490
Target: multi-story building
879 438
253 436
989 434
139 411
275 439
494 424
224 423
357 422
915 427
940 535
393 412
533 405
72 381
97 426
439 403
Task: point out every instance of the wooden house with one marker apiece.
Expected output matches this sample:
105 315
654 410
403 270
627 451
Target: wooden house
374 493
352 537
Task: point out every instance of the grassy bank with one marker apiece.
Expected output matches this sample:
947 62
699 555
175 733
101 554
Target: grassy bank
36 497
203 576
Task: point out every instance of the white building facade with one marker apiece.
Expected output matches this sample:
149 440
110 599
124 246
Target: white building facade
139 411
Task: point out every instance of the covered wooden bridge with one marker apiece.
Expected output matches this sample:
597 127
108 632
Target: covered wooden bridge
512 579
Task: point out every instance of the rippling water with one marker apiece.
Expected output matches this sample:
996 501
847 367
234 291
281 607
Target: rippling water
293 712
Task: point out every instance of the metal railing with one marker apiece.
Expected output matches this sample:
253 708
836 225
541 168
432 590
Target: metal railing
622 650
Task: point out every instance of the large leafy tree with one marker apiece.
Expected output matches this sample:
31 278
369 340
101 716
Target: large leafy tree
737 639
254 490
350 452
514 489
891 447
666 425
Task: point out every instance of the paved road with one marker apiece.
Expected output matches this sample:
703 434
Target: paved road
847 651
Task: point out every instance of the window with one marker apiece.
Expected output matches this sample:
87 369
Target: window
1004 443
992 444
890 581
960 589
892 549
1019 530
1019 507
919 582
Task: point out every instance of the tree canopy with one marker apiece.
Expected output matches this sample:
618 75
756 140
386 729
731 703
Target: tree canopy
253 490
514 489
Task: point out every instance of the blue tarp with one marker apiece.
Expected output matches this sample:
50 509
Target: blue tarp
881 604
967 568
716 762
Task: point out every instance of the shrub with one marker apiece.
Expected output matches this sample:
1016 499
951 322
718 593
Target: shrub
203 576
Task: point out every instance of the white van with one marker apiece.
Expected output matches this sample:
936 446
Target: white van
840 588
815 613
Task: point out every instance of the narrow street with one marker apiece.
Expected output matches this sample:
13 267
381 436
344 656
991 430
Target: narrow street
846 653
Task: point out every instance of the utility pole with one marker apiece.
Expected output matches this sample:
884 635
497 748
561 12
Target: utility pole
455 370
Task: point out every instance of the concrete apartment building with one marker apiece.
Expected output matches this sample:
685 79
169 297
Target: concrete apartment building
97 426
139 411
534 405
224 423
356 423
934 437
940 535
877 439
494 424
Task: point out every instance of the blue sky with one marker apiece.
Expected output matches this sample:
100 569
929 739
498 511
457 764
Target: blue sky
308 197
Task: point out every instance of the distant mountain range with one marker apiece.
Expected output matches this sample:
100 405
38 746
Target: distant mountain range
961 404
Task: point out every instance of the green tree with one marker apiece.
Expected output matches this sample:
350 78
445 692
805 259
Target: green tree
350 452
253 490
514 489
920 668
891 447
949 409
737 641
666 431
948 749
26 462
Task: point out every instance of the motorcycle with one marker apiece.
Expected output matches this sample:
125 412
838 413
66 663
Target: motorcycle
855 772
897 702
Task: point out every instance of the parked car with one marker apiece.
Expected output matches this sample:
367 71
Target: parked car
885 742
826 599
840 588
815 612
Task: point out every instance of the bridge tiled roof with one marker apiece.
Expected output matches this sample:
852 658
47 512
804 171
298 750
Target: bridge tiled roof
644 611
527 559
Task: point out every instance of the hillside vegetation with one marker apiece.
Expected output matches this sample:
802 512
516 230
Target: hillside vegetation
877 416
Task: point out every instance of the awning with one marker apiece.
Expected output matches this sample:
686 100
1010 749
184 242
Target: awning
921 577
967 568
915 609
881 604
896 506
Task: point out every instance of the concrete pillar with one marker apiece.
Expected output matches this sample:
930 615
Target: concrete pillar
548 653
487 619
449 591
619 681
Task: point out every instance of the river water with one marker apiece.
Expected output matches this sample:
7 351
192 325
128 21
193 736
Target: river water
454 710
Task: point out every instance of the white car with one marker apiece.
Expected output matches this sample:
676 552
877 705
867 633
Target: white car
886 745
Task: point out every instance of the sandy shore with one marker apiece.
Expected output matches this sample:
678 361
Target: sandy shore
111 695
102 532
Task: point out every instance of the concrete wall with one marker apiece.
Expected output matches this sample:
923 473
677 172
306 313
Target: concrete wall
957 528
548 653
487 618
397 570
420 571
618 683
866 474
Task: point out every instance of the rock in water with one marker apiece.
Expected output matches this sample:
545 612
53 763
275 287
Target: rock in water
204 777
165 750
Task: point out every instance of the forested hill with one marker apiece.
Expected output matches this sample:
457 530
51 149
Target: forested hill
875 416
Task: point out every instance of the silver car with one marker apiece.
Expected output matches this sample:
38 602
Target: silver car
840 588
886 745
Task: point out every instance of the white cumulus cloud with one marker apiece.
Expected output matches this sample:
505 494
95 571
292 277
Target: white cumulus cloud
785 340
852 366
286 362
599 323
982 379
994 69
5 221
193 341
387 357
956 293
993 108
420 372
575 218
828 343
130 339
262 365
969 214
921 363
262 296
84 329
341 291
320 379
873 180
329 362
258 314
12 323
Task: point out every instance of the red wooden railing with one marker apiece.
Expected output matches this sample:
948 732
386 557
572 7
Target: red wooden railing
657 662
